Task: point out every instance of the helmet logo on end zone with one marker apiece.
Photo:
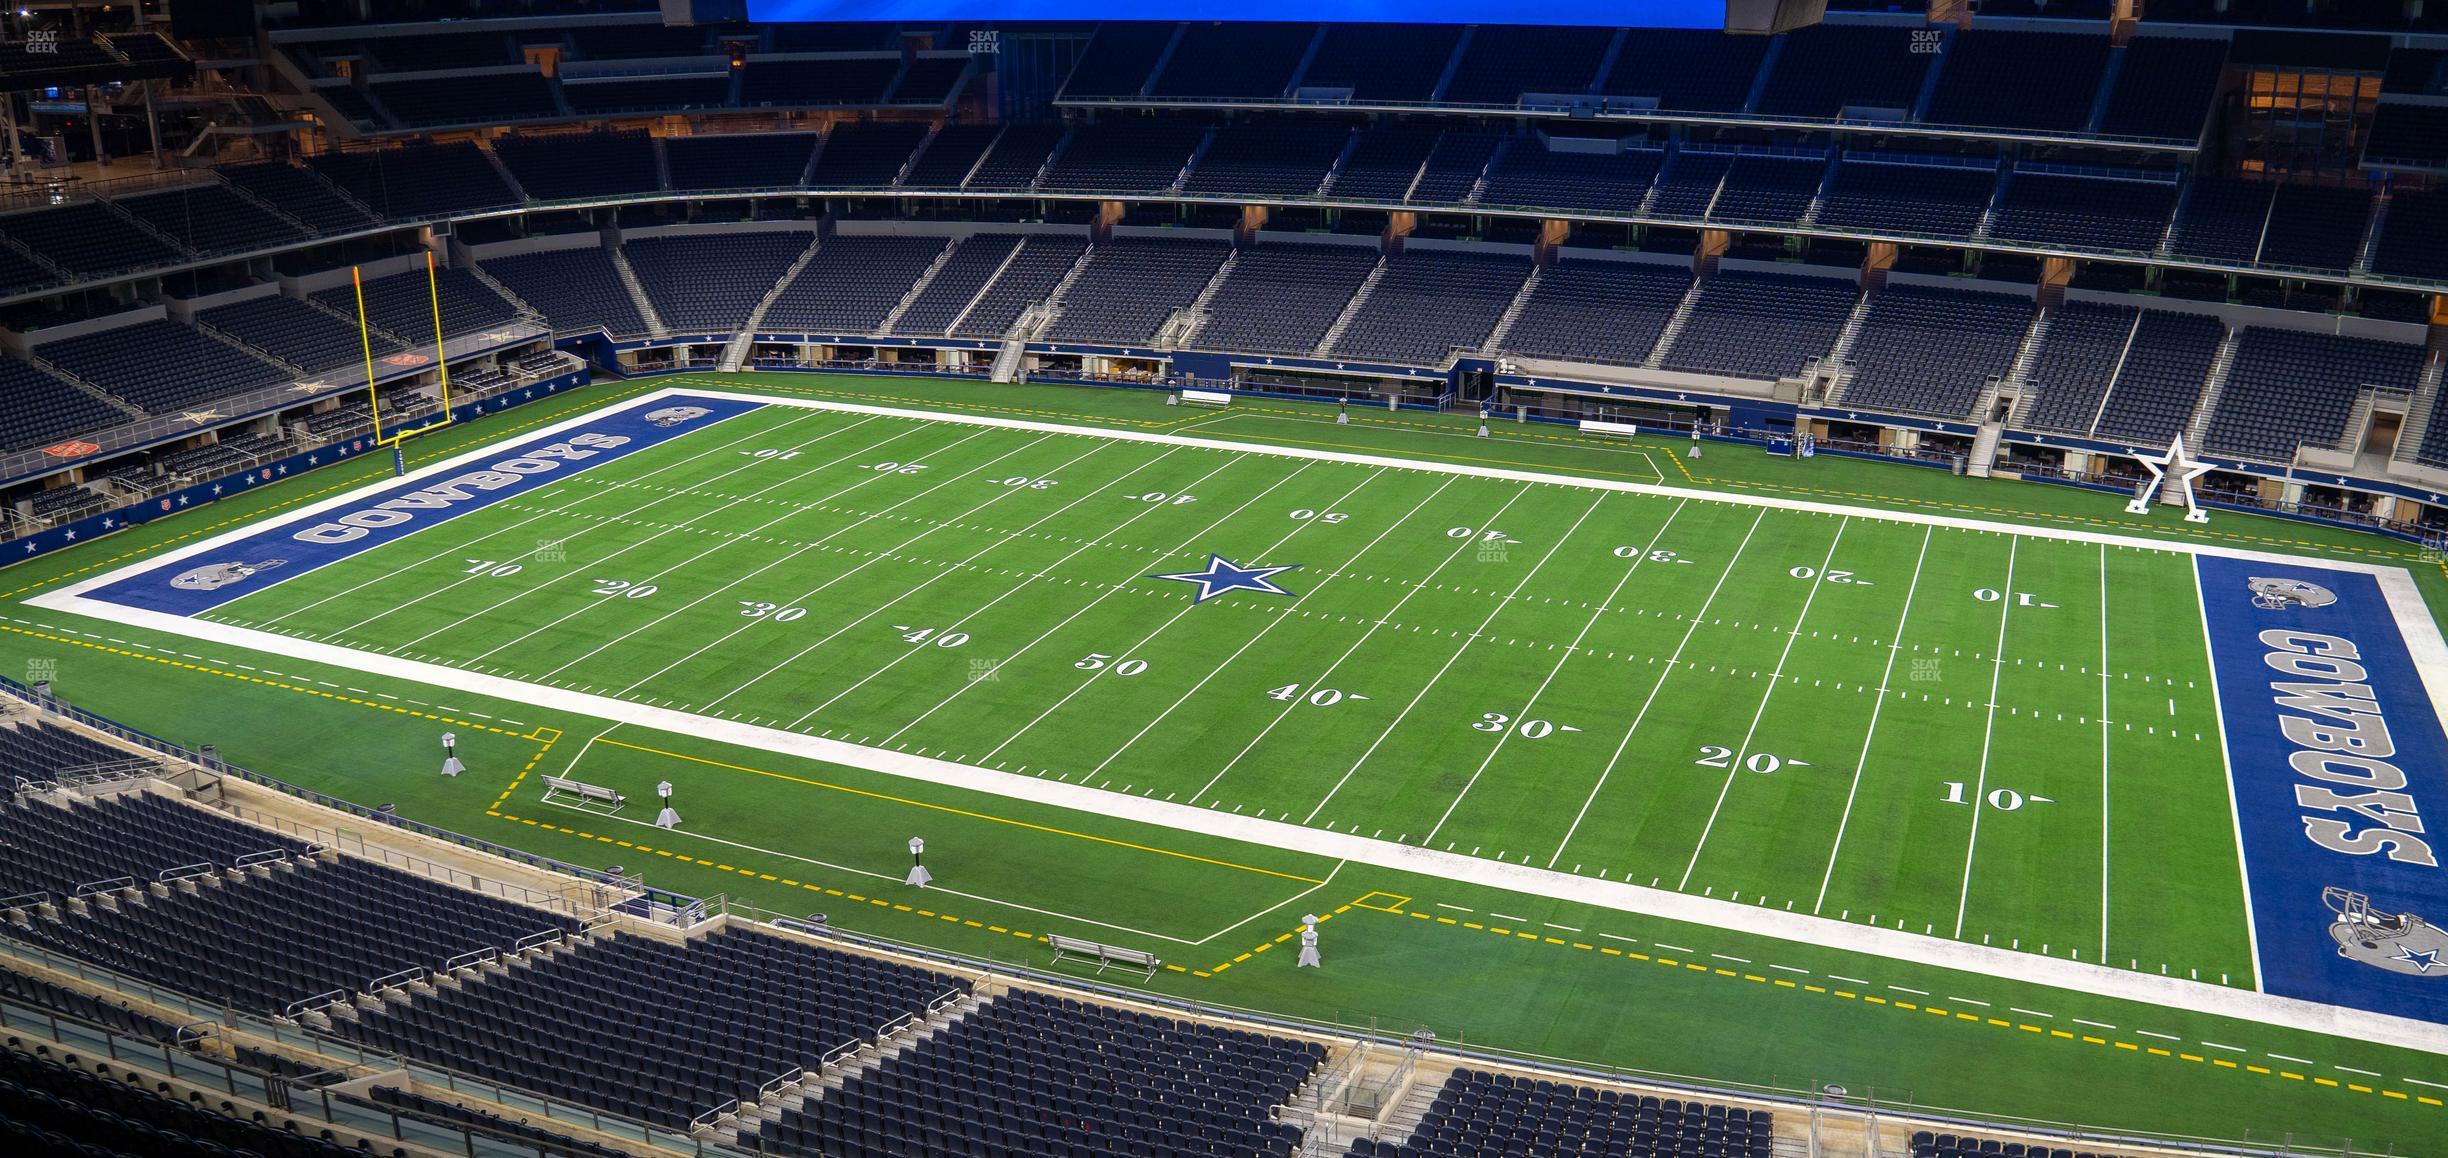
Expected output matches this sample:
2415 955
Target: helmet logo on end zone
215 576
675 415
2280 594
2398 942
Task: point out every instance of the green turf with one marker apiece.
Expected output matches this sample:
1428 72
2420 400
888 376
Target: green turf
873 556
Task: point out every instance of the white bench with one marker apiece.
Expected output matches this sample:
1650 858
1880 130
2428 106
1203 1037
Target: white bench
1206 397
1594 426
587 797
1137 960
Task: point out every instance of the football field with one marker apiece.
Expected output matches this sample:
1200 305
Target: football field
1999 737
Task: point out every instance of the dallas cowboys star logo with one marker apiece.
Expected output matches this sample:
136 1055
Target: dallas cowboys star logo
1222 576
2422 962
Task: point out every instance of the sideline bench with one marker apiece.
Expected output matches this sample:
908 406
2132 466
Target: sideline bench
1594 426
1206 397
1136 960
586 797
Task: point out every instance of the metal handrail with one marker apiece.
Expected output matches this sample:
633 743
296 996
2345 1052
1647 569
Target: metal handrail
267 856
112 885
395 980
310 1004
22 900
198 869
471 957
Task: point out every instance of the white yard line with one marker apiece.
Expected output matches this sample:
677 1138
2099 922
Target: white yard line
1409 590
1531 704
732 540
1116 589
1895 644
878 609
872 559
1997 659
1006 538
1176 617
1467 641
2103 716
1672 661
2235 811
1734 767
1271 625
547 581
457 546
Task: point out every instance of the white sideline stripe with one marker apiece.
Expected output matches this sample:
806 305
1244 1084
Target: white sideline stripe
2422 637
2235 809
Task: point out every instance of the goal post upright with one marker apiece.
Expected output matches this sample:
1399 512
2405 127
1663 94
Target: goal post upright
365 339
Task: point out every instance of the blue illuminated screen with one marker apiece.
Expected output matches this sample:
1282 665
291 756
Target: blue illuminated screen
1645 14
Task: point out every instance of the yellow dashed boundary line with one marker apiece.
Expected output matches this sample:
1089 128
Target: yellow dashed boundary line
2040 1032
962 812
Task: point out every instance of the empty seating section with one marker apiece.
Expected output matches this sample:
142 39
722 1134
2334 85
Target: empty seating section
2164 88
1930 350
44 751
1454 165
1532 173
1506 64
1685 69
577 289
858 156
928 80
1017 155
2046 82
546 1141
402 305
418 180
1281 297
851 283
1598 311
1030 1073
1428 303
837 81
2222 219
1477 1113
19 272
974 262
1761 325
1382 63
1689 183
1768 189
657 1031
709 283
430 102
300 194
739 161
2414 237
665 94
160 366
1927 1144
2078 358
1280 161
1247 60
2410 135
1914 200
53 1108
949 155
265 938
2290 388
52 847
87 239
1121 156
1118 60
2162 381
210 219
2091 213
43 409
2316 227
1131 285
568 166
293 332
1383 163
1825 69
1031 275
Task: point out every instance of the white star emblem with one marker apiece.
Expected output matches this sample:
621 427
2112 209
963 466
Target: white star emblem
200 417
315 387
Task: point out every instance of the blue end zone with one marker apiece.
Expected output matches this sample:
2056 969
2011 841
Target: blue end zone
2340 771
244 566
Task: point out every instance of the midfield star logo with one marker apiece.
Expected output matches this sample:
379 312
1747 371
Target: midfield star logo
1222 576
